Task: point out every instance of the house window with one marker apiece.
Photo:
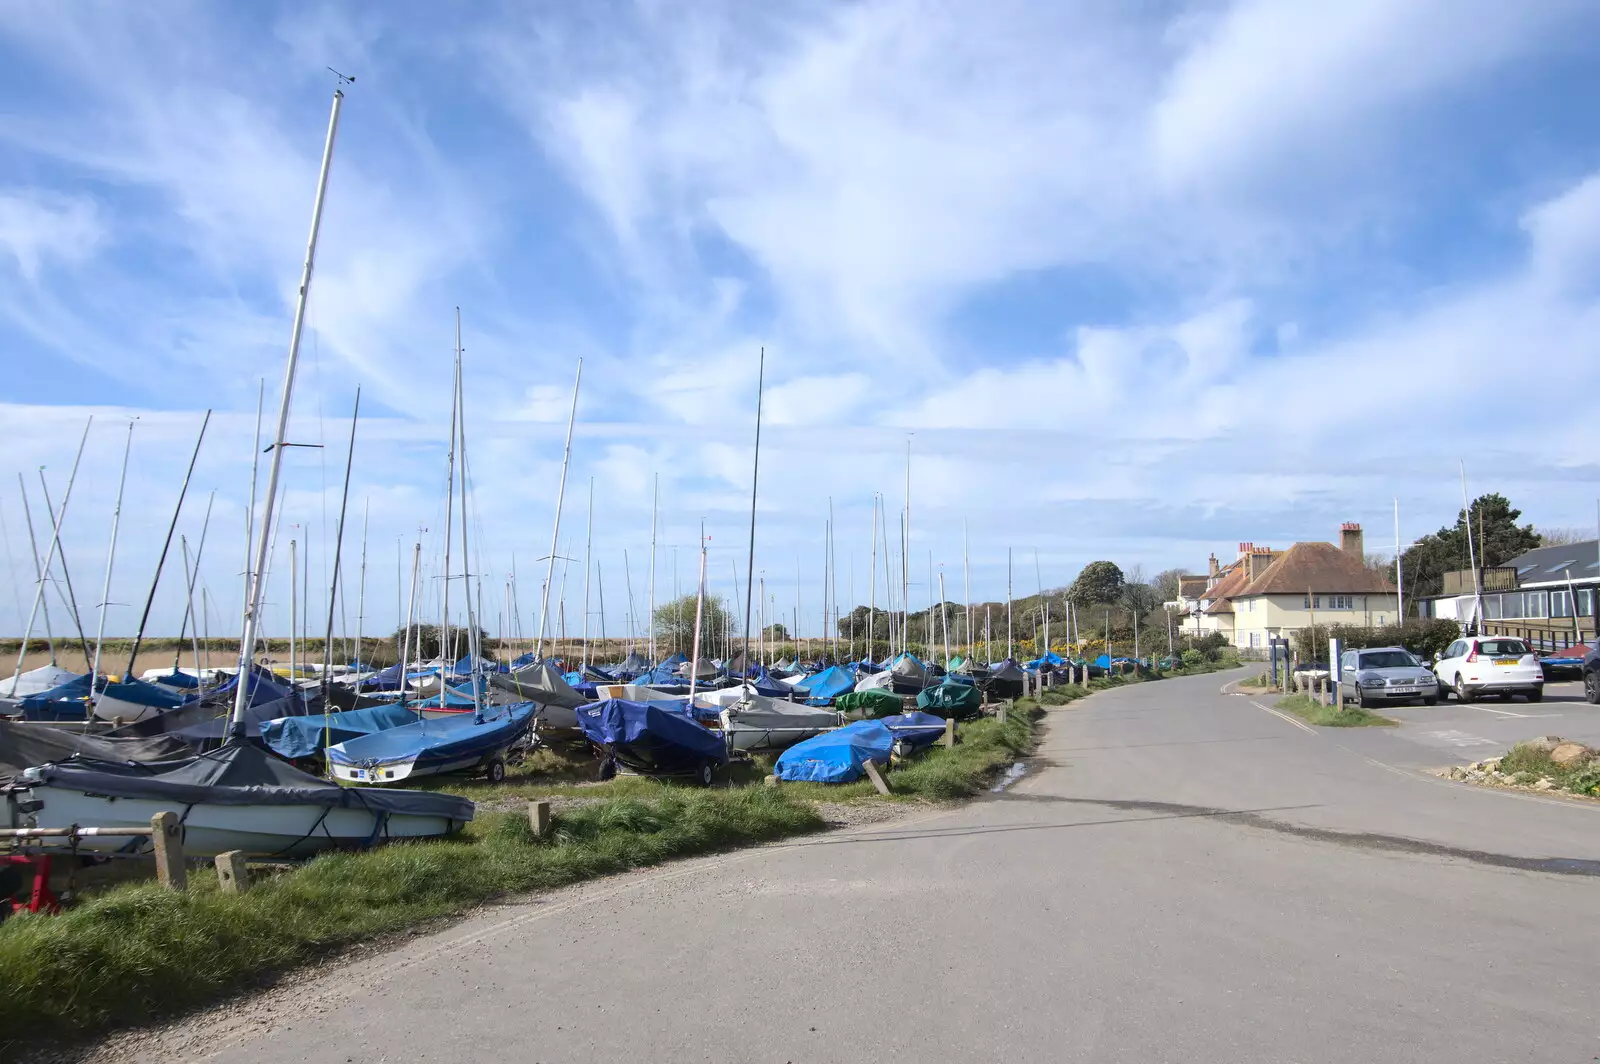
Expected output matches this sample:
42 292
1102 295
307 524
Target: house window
1511 607
1343 602
1561 604
1255 639
1586 603
1491 607
1312 602
1537 604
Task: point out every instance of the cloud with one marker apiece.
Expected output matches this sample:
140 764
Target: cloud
36 226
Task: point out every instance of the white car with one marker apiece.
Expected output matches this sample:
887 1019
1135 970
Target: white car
1489 665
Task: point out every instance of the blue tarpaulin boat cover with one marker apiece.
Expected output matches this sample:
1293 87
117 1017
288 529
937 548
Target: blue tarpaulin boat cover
836 756
181 680
294 737
384 680
915 729
141 693
827 685
649 737
437 741
64 701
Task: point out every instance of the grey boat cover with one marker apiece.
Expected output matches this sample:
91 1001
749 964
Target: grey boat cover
238 774
25 745
909 671
541 683
704 671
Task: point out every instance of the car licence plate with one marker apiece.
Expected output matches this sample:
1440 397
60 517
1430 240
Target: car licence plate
1505 661
1403 690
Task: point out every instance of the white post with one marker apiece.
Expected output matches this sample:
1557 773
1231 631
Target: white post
655 505
588 564
699 611
111 556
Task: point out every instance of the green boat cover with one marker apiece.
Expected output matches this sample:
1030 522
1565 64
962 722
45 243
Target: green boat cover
955 700
873 702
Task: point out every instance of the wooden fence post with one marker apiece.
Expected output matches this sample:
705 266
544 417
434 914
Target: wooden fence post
876 777
233 875
1000 714
949 733
166 833
539 817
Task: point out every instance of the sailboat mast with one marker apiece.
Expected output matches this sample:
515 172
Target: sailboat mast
294 592
588 565
600 586
1008 602
872 585
944 621
561 493
755 477
411 611
633 616
111 557
338 549
966 570
699 612
449 514
155 581
188 583
241 699
44 570
905 553
66 574
655 504
474 651
361 586
188 580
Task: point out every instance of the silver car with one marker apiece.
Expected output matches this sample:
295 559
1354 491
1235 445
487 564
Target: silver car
1386 674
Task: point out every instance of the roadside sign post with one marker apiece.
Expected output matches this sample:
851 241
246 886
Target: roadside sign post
1335 674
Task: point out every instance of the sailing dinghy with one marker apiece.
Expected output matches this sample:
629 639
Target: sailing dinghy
429 747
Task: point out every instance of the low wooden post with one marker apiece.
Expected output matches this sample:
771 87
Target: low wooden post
539 817
167 835
876 777
1000 714
772 780
949 733
233 875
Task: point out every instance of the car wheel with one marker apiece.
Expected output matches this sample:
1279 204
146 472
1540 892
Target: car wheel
607 770
1591 687
1536 694
1361 698
1466 694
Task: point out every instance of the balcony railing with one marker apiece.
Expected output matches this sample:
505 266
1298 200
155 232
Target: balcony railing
1500 578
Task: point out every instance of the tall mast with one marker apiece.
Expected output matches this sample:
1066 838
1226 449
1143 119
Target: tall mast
872 585
111 557
966 570
1038 575
66 574
361 586
242 692
1008 602
905 551
944 621
755 476
655 504
189 579
474 652
294 591
699 611
338 551
449 513
405 626
1472 558
250 513
155 581
44 570
600 586
1399 585
633 616
588 564
561 492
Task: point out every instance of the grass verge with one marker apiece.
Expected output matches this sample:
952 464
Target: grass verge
1528 763
139 952
1311 711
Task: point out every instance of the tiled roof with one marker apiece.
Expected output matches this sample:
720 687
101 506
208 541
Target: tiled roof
1320 568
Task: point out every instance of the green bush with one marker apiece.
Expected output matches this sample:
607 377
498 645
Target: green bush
1424 638
1193 657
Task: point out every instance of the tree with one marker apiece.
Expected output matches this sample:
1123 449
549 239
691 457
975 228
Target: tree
675 623
775 633
1166 584
1501 539
1099 584
1564 537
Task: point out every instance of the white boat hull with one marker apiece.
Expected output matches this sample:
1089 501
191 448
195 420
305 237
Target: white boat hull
395 771
258 830
108 708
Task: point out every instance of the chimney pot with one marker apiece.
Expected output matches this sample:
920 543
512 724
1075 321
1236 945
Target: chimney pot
1351 539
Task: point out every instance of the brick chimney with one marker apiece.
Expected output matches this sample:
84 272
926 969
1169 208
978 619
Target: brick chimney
1260 558
1350 539
1214 567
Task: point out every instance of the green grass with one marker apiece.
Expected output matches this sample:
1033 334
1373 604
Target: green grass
1311 711
139 952
1529 763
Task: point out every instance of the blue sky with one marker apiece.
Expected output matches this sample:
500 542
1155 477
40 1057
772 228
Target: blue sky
1143 281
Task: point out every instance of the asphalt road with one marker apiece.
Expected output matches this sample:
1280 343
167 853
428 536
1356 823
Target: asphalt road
1181 876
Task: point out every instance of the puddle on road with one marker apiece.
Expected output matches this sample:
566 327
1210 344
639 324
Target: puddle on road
1013 774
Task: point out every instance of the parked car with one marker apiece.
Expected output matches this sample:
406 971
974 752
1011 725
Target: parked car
1591 674
1489 665
1386 674
1566 663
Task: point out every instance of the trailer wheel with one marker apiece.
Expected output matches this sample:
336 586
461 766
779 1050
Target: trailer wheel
707 774
495 770
607 770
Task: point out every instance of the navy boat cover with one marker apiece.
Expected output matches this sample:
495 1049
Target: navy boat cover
649 737
915 729
447 739
293 737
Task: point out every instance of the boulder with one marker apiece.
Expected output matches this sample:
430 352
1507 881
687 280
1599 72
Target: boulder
1544 743
1545 784
1570 754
